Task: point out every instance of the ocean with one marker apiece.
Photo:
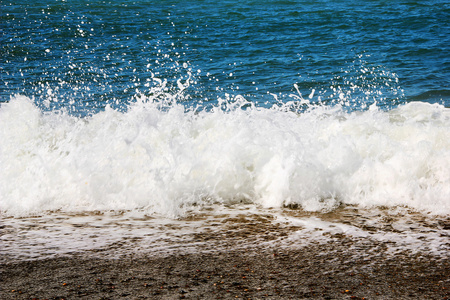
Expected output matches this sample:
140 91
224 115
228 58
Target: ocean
145 114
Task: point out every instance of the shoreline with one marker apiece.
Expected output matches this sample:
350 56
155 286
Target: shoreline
343 269
233 254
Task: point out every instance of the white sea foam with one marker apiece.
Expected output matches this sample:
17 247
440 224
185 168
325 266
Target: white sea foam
170 161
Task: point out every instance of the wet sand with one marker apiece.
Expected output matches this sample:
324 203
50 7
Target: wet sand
315 272
243 258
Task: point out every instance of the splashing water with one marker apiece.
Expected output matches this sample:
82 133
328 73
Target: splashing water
161 158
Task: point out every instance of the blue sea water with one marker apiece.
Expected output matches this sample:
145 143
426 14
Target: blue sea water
162 105
87 54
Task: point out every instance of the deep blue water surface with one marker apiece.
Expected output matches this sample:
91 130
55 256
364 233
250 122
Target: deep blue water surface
82 55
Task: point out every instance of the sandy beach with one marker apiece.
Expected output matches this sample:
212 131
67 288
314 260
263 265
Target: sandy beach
241 259
311 273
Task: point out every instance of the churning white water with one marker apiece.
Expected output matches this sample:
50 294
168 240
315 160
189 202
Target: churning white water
170 160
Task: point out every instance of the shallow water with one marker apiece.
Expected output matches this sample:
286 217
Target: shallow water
113 235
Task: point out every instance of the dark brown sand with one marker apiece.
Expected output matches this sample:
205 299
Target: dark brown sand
325 271
252 274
